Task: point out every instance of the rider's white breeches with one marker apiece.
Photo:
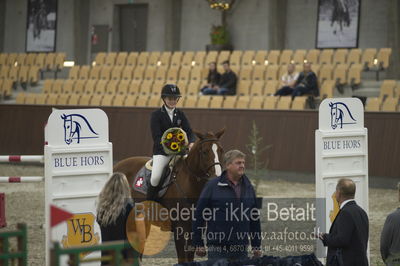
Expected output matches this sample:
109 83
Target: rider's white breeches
159 163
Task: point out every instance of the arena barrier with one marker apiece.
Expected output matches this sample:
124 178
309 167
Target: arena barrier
10 256
3 222
115 258
21 158
21 179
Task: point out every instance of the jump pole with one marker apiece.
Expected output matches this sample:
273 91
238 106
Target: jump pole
21 158
21 179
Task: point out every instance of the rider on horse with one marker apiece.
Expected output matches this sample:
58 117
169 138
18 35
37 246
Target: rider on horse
166 117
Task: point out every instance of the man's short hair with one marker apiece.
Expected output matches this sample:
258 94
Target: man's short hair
232 155
225 62
346 187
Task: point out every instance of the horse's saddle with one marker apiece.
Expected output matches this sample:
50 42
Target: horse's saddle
142 179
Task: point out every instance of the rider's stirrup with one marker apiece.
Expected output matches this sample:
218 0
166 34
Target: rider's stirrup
152 193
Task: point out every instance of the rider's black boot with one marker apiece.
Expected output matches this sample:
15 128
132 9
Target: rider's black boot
152 193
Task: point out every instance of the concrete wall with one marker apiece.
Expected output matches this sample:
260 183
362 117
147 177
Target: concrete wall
2 21
188 27
15 26
301 25
374 24
65 28
102 12
248 23
197 19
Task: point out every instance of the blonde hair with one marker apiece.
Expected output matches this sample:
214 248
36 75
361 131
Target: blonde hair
232 155
112 199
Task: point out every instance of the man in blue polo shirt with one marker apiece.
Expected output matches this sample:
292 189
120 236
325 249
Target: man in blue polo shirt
227 215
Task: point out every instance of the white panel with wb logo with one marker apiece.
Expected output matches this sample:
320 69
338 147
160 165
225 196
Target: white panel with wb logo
341 151
78 162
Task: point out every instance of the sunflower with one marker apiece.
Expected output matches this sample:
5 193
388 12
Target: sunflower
181 136
169 136
174 146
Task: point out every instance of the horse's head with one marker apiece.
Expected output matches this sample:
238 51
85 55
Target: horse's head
206 155
334 117
70 128
67 128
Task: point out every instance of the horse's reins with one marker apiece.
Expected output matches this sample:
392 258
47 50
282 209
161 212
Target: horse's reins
191 172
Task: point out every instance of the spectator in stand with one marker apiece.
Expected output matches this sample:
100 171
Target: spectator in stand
306 83
227 83
390 237
213 77
288 80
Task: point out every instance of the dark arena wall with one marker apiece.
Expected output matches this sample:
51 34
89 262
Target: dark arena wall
291 134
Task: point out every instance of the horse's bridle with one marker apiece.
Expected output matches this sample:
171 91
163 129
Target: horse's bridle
204 175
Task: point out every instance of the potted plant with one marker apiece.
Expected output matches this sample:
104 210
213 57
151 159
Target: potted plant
219 33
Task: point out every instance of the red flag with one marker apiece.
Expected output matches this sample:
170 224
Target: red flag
58 215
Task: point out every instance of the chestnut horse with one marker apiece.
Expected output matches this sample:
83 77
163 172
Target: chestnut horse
188 179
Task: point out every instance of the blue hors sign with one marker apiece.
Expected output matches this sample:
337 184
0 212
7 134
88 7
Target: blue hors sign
77 127
341 114
341 151
342 145
78 162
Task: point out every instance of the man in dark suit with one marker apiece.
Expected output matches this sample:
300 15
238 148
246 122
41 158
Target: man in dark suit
390 237
348 236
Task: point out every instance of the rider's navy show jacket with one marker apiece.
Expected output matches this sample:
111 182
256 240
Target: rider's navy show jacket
160 122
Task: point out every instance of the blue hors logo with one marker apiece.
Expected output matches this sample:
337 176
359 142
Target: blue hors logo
77 127
340 115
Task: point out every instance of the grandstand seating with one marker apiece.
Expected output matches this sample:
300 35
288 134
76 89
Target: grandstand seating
115 76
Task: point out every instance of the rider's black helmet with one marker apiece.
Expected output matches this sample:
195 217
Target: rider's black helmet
170 90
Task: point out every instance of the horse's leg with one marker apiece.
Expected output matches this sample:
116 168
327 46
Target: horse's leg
182 238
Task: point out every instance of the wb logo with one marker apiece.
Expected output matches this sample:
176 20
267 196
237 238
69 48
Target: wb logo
80 231
80 227
340 115
77 127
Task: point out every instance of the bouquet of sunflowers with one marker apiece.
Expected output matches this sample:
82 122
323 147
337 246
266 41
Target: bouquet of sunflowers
174 140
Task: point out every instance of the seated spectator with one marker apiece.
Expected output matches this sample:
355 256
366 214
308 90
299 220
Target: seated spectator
213 77
288 80
306 83
227 83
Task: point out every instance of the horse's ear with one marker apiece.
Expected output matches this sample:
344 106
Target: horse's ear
220 133
199 135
